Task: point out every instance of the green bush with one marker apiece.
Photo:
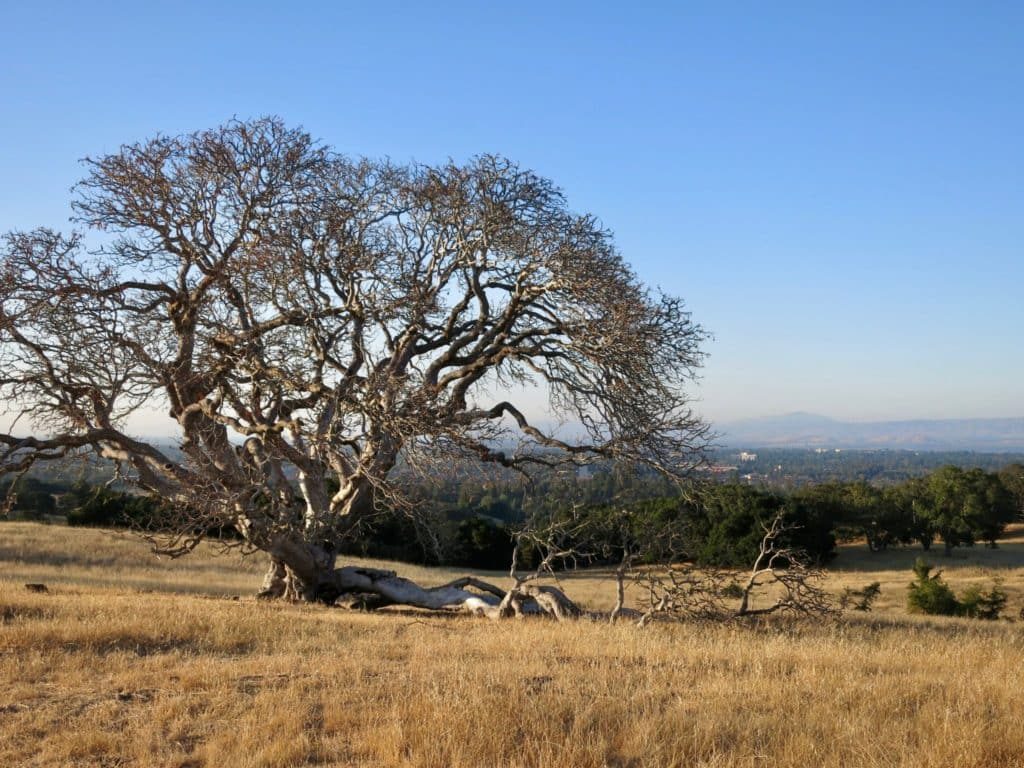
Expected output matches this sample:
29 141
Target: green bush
930 594
860 599
982 605
732 589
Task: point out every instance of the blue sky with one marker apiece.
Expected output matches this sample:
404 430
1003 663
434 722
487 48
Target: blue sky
836 189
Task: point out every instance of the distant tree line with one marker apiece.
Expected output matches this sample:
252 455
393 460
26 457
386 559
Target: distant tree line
472 523
723 523
954 506
80 503
32 497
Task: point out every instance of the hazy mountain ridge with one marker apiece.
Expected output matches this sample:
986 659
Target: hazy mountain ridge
807 430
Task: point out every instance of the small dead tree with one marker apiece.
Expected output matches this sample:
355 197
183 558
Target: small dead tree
787 573
314 325
782 580
633 539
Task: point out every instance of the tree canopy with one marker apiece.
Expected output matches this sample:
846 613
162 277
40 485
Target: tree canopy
314 323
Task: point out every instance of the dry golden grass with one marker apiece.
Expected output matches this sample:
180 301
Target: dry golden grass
856 567
119 665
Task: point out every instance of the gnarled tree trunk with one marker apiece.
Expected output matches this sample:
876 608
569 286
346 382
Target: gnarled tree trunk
306 573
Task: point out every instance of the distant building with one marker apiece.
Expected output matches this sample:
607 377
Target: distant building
744 456
721 469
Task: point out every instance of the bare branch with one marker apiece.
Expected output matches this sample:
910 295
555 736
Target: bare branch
312 323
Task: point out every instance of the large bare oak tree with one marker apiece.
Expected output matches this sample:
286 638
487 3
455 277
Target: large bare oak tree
316 325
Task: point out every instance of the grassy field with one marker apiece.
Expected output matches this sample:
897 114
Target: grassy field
132 661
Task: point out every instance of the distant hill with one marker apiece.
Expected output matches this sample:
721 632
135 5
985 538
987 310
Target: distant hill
808 430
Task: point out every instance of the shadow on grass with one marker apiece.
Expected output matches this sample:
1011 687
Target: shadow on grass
855 558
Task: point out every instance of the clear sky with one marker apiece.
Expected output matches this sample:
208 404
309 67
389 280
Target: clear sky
836 189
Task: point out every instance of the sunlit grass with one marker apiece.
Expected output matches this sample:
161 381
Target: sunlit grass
130 661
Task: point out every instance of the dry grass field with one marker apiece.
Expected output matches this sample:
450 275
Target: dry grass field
128 661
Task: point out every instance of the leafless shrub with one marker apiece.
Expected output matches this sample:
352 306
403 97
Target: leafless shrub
781 580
